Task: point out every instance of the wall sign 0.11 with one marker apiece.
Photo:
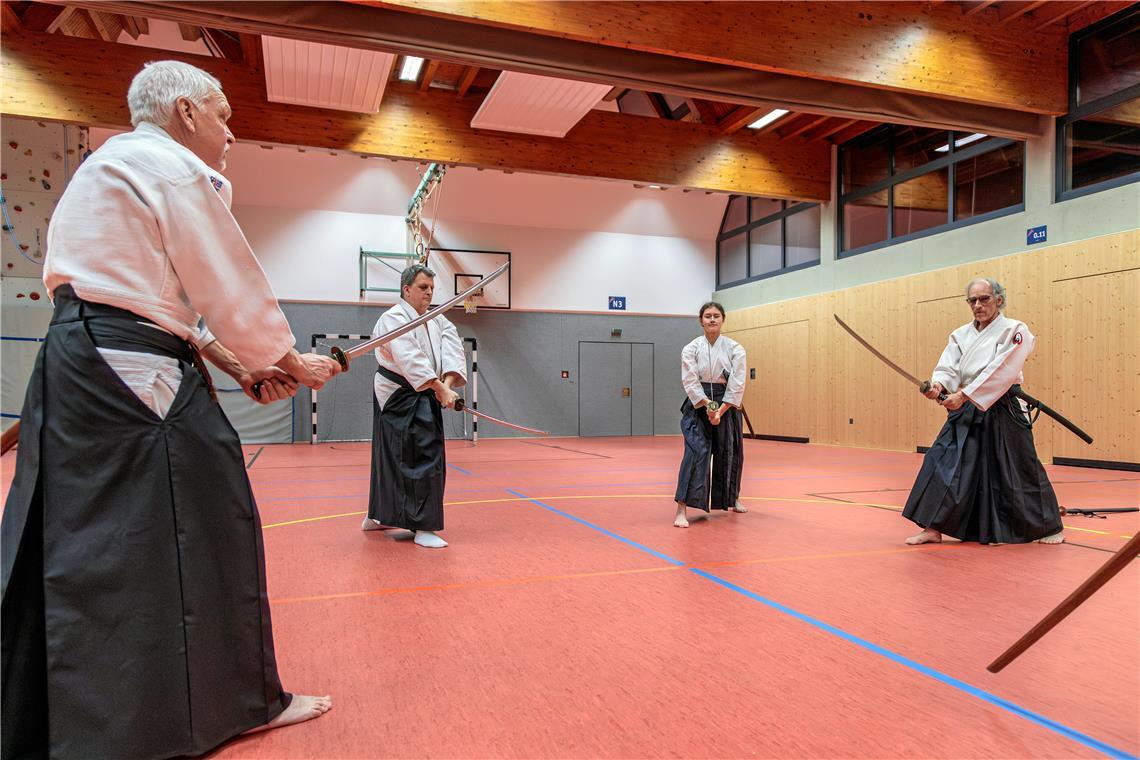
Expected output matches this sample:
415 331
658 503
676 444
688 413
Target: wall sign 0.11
1035 235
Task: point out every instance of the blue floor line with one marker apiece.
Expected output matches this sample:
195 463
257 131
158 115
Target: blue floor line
974 691
598 528
460 469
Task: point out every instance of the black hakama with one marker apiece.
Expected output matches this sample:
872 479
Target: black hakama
408 462
982 481
135 616
724 443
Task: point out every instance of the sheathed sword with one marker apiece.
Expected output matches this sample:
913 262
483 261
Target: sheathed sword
345 356
924 385
462 407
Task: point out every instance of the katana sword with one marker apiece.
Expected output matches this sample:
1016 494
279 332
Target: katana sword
461 407
344 356
924 385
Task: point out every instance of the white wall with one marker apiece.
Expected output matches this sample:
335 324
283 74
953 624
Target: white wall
1081 218
313 256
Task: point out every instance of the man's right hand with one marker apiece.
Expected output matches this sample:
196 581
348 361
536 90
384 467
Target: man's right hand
935 391
312 370
445 396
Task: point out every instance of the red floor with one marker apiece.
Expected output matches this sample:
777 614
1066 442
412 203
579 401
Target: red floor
569 618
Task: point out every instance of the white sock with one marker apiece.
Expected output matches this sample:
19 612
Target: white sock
429 539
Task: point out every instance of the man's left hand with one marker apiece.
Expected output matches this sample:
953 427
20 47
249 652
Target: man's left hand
276 385
954 400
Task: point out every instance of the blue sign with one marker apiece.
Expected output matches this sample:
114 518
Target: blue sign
617 303
1035 235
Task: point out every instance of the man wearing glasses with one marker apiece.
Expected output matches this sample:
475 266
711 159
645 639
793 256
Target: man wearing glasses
981 480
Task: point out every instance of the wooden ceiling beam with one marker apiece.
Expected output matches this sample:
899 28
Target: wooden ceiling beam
251 51
46 77
467 78
38 18
427 74
106 25
808 122
131 26
190 32
705 110
850 133
1059 12
968 48
971 8
227 43
9 19
1009 11
739 118
838 126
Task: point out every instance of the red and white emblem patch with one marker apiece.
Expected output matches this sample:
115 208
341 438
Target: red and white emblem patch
1017 338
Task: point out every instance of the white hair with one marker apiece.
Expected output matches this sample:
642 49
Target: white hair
995 288
156 88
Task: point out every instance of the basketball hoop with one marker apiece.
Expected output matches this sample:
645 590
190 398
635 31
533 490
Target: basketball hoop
469 305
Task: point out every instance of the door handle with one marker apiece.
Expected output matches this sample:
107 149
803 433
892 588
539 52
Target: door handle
626 392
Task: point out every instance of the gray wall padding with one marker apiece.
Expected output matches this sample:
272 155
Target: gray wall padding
521 356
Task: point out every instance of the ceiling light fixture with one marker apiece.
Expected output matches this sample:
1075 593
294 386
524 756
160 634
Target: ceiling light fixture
768 118
410 70
963 141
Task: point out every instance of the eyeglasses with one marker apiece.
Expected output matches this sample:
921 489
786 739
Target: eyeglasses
979 299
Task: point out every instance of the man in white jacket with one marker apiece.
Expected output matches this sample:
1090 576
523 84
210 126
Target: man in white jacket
414 380
135 614
981 480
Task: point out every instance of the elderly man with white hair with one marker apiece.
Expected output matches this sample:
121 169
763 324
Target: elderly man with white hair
981 480
135 614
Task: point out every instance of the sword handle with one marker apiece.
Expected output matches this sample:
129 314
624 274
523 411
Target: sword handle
926 386
459 404
340 357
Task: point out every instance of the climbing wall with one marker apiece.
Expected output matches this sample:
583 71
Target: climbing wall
37 160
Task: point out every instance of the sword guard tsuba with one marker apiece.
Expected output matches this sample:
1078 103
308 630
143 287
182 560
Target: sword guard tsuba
341 359
711 406
459 405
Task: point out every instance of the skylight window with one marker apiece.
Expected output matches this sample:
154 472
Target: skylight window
410 70
767 118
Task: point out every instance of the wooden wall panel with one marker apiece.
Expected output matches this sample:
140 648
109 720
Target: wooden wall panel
779 400
1096 364
1081 300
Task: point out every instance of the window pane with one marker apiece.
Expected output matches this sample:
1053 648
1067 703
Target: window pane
762 207
865 163
802 229
915 146
921 203
1104 146
865 221
989 182
764 248
733 259
1109 61
737 214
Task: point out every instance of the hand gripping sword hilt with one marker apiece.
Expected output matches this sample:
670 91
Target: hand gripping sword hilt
926 386
459 404
340 357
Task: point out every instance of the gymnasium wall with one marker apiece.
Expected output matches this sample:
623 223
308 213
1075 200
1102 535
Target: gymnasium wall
1081 299
521 357
1101 213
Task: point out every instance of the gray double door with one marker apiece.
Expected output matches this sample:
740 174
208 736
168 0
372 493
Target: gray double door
615 388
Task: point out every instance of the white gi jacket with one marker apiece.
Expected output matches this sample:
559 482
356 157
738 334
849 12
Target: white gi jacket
705 363
984 364
145 225
426 353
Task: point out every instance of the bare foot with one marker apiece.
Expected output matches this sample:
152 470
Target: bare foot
927 536
301 708
738 507
1056 538
680 521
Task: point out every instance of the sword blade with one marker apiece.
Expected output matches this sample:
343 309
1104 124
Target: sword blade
874 351
504 423
345 355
